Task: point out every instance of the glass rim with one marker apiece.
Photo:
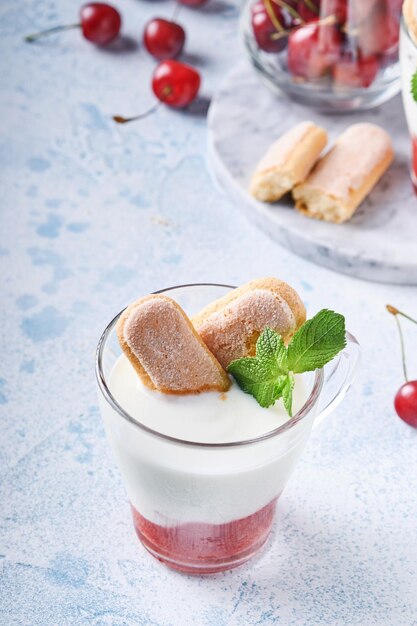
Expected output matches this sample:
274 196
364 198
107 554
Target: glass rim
110 399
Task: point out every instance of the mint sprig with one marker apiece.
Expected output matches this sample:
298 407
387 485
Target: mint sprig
414 86
269 375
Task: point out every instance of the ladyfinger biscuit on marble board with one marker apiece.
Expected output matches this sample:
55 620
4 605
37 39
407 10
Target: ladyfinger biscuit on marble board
166 351
287 162
231 325
346 174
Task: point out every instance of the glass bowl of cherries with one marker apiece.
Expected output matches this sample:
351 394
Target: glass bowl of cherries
335 55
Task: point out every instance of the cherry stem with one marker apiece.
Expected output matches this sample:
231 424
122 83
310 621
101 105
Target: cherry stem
176 11
50 31
125 120
289 8
310 5
325 21
271 14
395 312
402 348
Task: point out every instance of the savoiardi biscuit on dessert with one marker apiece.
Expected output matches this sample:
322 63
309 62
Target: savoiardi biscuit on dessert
287 162
346 174
165 350
231 325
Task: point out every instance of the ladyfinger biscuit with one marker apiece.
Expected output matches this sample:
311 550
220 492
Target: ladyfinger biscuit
346 174
166 351
231 325
287 162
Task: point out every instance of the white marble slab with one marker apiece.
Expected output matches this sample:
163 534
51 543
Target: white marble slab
379 243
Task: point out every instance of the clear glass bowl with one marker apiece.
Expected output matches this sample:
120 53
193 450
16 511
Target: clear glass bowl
334 55
208 507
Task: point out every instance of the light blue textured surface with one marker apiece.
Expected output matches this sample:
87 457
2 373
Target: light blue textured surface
94 215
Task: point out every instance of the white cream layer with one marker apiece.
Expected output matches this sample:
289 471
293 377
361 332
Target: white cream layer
170 483
208 417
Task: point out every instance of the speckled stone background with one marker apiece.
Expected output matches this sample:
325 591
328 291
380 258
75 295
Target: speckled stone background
94 215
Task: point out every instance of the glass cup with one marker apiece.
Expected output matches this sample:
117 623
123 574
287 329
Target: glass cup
408 62
335 55
205 508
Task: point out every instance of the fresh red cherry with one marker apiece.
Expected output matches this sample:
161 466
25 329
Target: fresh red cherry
355 72
312 50
309 10
192 3
269 26
100 23
406 402
163 39
406 397
175 83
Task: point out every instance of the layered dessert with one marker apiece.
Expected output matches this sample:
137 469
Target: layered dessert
212 429
408 59
187 511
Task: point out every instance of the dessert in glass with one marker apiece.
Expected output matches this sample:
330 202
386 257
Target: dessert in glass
408 59
203 471
335 55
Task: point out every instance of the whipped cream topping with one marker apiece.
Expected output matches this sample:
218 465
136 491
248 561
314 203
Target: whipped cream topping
209 417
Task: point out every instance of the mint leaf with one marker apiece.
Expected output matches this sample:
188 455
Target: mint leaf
414 85
268 376
271 349
258 378
317 342
287 393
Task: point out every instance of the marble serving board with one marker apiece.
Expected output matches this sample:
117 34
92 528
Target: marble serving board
379 243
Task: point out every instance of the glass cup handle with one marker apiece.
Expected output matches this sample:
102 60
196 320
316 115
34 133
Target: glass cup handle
339 375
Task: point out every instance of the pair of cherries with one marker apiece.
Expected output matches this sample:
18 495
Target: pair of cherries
175 84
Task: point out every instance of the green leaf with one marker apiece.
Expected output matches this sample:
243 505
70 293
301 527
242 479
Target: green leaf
271 349
287 393
414 85
268 376
317 342
257 378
